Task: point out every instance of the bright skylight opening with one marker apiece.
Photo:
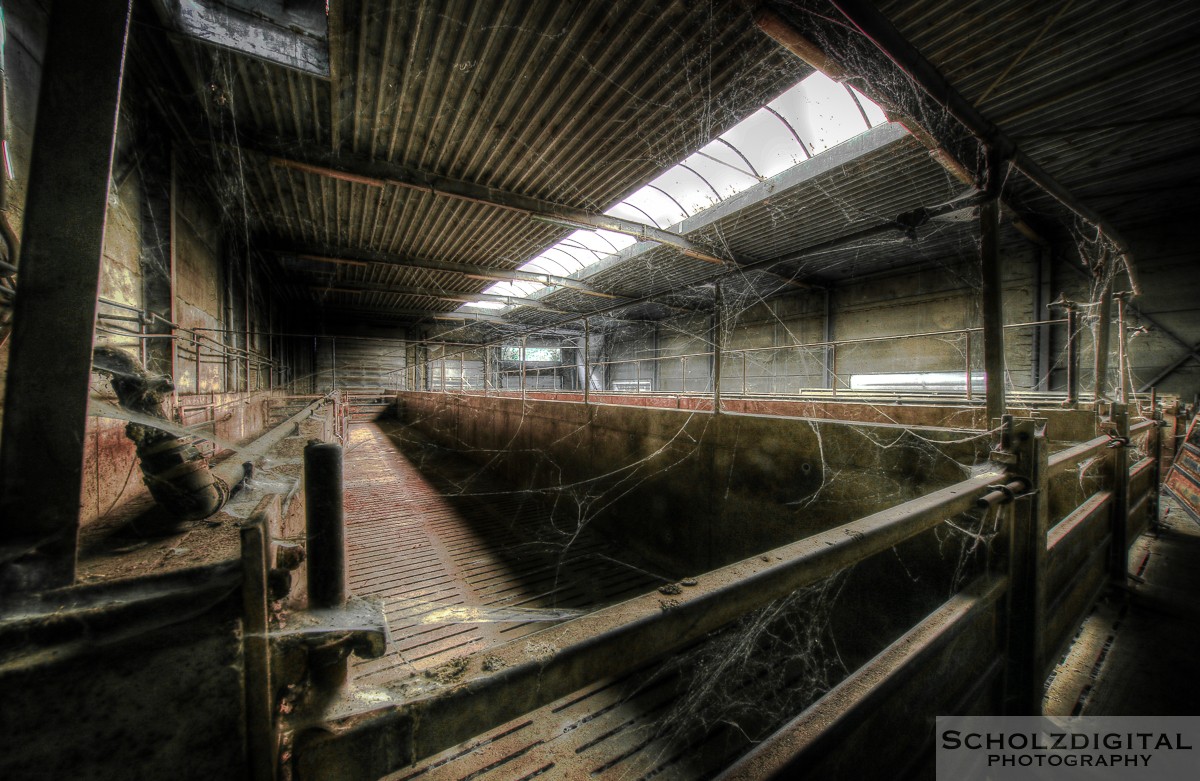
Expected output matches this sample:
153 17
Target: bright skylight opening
811 117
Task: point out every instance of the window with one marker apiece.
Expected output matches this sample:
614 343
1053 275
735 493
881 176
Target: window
532 354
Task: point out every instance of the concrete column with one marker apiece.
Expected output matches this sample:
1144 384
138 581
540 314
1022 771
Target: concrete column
992 297
1103 327
1072 354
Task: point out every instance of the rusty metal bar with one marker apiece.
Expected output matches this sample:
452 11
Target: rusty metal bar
1069 458
54 311
1090 508
367 744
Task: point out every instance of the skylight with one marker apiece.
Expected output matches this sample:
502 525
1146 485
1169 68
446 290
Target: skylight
811 117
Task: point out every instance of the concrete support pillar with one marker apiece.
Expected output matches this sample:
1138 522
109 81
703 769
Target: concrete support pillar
45 407
992 297
1072 354
1103 328
1041 312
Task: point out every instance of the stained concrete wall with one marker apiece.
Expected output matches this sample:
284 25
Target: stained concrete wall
690 490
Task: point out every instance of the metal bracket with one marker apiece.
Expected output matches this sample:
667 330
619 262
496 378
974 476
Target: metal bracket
1004 493
1116 441
315 636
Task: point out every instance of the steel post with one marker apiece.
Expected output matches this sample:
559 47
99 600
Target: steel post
1028 524
326 545
1072 354
718 335
1119 552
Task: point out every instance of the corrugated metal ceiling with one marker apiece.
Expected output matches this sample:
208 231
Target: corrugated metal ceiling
581 103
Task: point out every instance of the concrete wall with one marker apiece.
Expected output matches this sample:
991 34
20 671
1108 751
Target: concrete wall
361 363
935 298
690 490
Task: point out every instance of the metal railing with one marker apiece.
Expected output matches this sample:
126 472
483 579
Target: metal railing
1047 571
811 368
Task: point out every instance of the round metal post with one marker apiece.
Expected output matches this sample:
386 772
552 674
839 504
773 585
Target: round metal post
326 547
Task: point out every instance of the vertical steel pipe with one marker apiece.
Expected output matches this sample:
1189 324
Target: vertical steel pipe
326 547
1072 354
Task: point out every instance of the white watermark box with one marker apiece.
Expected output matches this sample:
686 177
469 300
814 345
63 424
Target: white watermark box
1071 748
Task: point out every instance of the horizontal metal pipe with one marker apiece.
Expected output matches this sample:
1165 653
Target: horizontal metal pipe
1067 459
358 743
233 470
